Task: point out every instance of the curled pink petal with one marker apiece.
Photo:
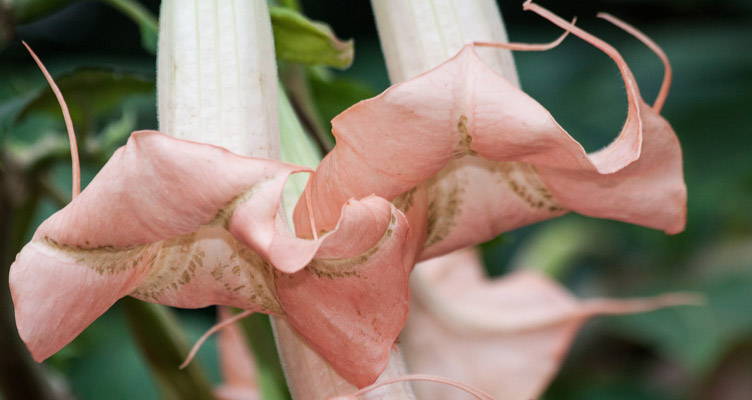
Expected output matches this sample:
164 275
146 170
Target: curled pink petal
139 221
57 291
492 159
167 221
506 336
351 302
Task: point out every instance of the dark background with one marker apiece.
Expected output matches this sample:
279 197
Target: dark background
682 353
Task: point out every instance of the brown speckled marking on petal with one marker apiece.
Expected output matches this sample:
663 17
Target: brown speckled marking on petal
260 275
223 215
348 267
465 142
238 270
446 198
523 179
102 259
405 201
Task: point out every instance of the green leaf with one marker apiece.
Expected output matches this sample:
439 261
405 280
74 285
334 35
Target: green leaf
301 40
91 92
94 97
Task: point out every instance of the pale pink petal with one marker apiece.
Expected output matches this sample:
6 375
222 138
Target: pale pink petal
506 336
168 221
136 219
517 164
351 302
58 291
236 363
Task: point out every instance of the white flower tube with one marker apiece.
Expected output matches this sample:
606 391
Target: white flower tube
417 35
217 84
217 76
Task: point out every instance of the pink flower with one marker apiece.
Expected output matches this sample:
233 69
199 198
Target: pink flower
467 155
506 336
190 225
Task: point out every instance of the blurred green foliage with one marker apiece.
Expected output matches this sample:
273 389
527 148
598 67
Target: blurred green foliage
105 67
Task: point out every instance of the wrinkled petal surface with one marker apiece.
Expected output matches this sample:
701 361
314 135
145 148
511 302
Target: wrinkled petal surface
351 302
505 336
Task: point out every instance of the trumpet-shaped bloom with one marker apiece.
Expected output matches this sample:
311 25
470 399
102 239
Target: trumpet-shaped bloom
518 164
191 225
505 336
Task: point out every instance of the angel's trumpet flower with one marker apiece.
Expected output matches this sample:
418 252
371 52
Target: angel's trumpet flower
180 222
467 155
478 196
506 336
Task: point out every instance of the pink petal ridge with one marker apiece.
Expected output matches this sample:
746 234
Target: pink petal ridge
351 302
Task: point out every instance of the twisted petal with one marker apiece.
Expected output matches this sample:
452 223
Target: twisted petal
506 336
168 221
351 302
517 164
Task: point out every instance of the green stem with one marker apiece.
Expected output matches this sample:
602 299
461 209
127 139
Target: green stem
162 343
271 377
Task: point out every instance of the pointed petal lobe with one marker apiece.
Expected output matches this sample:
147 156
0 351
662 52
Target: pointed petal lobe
506 336
351 302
